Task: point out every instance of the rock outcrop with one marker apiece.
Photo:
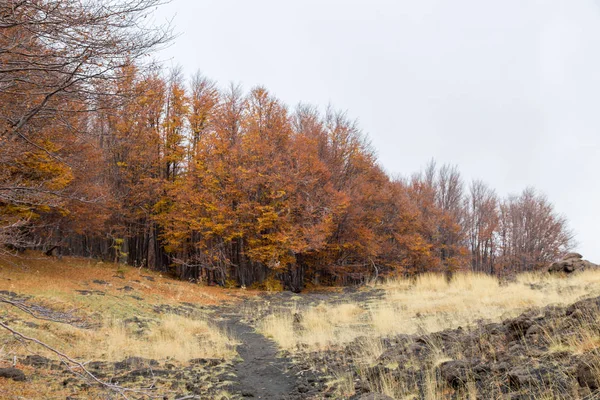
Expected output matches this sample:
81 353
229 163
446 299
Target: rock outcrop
572 262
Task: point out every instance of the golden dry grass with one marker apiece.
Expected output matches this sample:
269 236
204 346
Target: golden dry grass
174 338
583 338
36 274
54 284
41 388
430 303
427 304
168 337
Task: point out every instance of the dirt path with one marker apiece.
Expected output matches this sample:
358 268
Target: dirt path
264 375
261 374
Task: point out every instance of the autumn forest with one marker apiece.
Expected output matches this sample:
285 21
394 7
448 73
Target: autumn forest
106 155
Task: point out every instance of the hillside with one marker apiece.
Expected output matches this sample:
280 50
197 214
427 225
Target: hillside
94 311
141 335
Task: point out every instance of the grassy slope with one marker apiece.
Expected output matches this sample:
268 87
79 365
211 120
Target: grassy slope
429 304
180 332
108 322
426 305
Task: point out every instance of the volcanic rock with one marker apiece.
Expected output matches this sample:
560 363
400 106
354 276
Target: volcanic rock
572 262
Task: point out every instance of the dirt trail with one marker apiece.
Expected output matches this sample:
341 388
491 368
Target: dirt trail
261 374
264 375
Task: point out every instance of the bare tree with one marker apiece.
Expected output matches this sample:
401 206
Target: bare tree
439 193
54 47
449 190
481 224
449 199
531 233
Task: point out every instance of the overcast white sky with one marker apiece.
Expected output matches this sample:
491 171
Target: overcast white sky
509 90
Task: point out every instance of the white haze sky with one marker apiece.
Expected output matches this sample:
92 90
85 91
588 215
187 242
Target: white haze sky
509 90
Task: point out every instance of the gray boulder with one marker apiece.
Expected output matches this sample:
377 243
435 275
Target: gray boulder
572 262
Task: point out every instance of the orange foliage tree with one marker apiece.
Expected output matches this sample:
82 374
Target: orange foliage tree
110 159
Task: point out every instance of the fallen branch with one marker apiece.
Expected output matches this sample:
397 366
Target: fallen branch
72 364
28 310
119 389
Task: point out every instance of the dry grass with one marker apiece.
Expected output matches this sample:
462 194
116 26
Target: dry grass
54 284
344 383
583 337
428 304
36 274
578 336
168 337
174 338
42 389
386 383
321 325
279 327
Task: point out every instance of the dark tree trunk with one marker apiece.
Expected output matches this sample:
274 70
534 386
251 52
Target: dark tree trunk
293 277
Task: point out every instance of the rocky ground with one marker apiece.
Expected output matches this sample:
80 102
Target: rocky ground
550 353
547 353
259 371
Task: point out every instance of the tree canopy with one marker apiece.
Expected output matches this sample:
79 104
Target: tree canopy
105 155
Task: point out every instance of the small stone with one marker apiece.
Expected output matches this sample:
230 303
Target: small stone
37 361
587 376
534 330
302 389
455 373
12 373
298 318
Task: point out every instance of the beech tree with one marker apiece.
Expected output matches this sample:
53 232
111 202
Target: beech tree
481 224
56 58
438 194
131 140
112 157
204 97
